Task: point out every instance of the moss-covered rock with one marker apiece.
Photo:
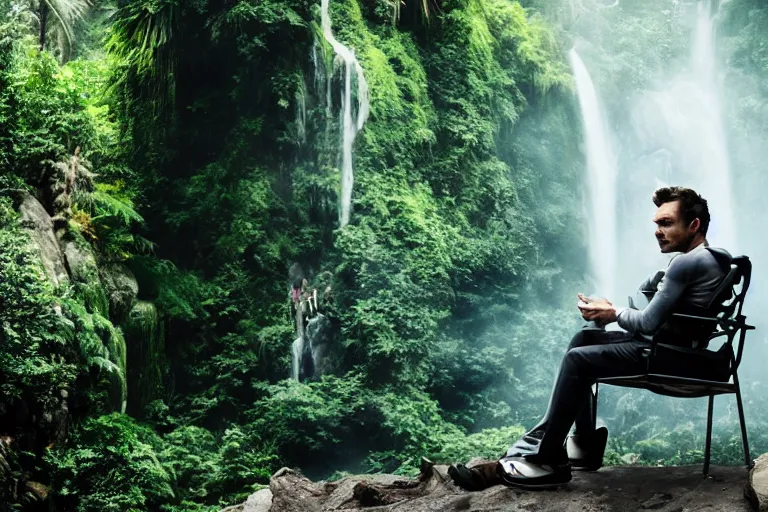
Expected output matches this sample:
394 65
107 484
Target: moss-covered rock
37 222
81 262
122 289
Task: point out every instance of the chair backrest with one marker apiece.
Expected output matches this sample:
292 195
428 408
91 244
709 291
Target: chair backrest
735 285
698 325
727 301
725 291
728 304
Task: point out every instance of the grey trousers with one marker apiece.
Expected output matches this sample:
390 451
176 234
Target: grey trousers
592 354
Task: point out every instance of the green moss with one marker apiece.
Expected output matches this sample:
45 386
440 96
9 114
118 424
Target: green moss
93 296
402 121
526 46
85 272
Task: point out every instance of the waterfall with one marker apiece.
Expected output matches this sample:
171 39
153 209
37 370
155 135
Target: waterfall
684 118
312 352
323 74
601 183
349 127
319 335
301 115
714 162
297 349
310 348
117 354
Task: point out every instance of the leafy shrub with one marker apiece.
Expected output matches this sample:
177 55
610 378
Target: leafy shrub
109 463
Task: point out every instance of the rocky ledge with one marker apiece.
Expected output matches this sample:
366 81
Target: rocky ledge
618 488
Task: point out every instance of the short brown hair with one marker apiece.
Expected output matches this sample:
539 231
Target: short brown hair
692 205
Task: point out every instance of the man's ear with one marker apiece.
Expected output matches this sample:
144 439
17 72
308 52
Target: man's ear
695 225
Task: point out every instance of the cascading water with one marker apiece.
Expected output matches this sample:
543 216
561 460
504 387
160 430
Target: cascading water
297 349
601 181
349 127
692 111
312 352
714 160
323 75
684 119
301 115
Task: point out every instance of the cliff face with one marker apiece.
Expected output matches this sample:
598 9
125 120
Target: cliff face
84 304
619 488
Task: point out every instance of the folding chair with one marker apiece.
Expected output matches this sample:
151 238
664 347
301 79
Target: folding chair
717 369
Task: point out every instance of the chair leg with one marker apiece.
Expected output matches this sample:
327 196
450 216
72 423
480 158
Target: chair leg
708 446
594 406
745 442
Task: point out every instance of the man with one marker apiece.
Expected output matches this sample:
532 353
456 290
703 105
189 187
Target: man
688 286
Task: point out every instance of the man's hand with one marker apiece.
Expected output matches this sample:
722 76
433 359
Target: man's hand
593 300
600 311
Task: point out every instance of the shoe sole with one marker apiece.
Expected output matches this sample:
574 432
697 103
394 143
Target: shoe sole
551 485
533 487
586 469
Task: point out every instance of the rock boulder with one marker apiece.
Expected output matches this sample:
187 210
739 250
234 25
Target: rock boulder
664 489
757 486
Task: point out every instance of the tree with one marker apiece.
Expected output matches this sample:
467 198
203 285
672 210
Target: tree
56 19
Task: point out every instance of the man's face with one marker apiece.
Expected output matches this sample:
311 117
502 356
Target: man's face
672 233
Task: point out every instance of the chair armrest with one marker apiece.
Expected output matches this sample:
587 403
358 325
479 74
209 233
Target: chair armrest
693 317
718 334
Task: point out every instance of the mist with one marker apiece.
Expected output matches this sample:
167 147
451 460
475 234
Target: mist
679 112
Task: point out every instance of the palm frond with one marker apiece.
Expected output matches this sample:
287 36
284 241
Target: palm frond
141 37
65 14
424 8
141 32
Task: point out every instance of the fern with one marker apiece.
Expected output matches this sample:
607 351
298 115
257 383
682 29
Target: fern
104 205
142 245
85 329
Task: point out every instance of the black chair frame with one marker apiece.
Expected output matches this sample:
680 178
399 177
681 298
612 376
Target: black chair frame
731 325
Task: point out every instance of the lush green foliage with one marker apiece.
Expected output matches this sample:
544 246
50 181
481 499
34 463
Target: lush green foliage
85 472
44 112
29 323
214 142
